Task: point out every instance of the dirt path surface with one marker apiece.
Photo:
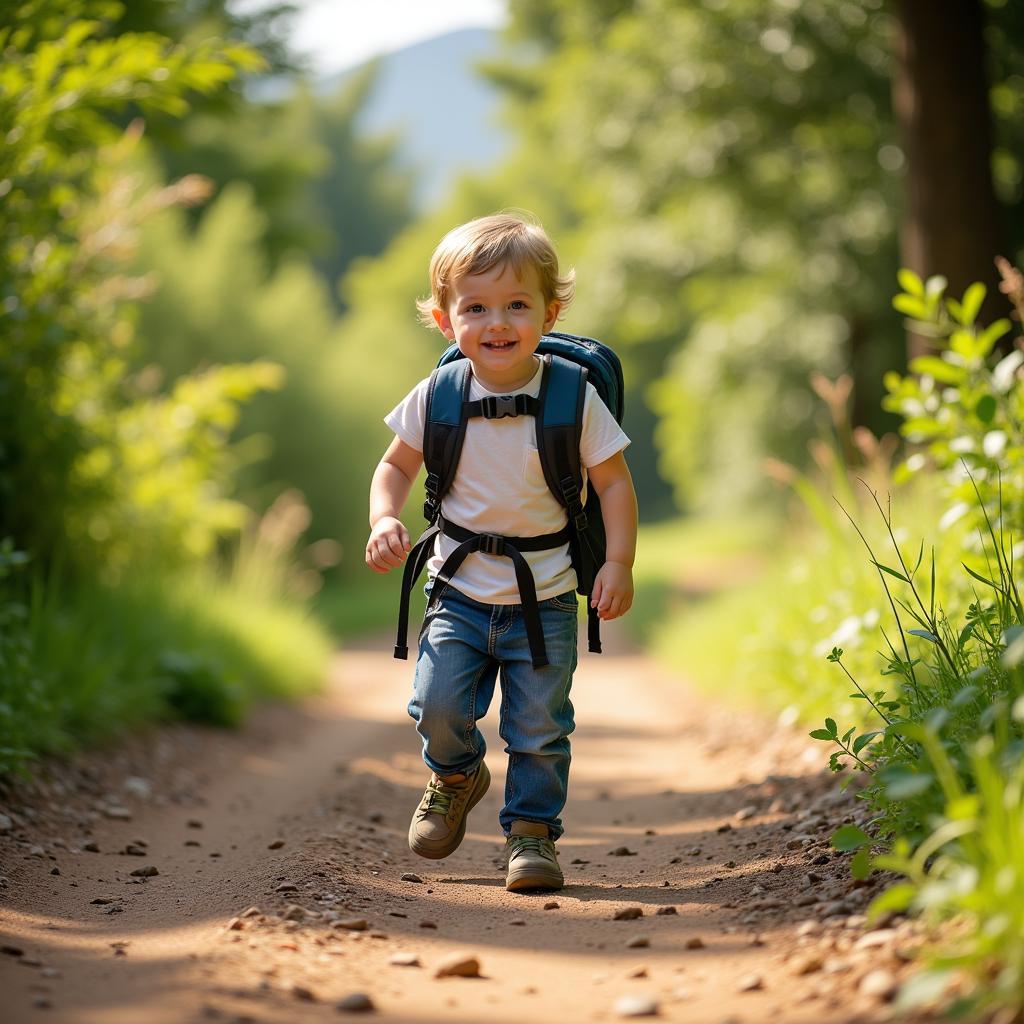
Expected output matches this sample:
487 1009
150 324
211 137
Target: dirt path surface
279 855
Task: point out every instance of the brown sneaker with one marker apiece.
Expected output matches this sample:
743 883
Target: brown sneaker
531 858
439 824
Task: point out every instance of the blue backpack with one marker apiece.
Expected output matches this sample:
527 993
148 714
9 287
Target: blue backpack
570 362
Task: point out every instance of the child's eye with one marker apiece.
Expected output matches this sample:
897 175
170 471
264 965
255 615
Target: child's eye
518 304
475 308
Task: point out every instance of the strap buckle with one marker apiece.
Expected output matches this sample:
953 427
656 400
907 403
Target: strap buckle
497 407
492 544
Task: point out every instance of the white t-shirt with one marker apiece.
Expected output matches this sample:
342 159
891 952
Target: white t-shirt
499 488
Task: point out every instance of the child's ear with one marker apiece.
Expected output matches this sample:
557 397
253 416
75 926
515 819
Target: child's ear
444 323
554 308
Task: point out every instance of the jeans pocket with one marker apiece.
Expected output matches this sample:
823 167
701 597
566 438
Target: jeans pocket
566 602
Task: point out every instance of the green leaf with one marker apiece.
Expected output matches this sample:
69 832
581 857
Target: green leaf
910 306
849 837
980 579
863 740
925 634
943 372
973 298
1013 637
898 897
903 785
860 866
991 334
910 282
985 410
891 572
830 724
820 734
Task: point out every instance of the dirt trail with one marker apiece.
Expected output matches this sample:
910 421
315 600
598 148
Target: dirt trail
746 915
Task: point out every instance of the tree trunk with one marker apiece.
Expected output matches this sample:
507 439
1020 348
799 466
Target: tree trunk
940 95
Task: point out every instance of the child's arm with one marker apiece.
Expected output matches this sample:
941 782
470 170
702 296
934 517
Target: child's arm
613 587
389 490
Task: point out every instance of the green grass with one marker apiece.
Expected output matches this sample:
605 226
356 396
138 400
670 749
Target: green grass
78 665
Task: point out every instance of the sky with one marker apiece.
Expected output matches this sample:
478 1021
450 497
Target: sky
338 34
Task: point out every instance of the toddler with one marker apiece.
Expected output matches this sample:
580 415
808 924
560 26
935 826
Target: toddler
495 290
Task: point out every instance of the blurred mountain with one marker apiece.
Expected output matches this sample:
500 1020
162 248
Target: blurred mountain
442 110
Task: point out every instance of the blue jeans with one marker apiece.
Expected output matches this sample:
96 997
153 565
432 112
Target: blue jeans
463 645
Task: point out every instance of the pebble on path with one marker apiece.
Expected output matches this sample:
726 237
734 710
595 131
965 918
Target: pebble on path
147 872
638 942
636 1006
352 924
357 1002
404 960
695 943
411 876
551 905
878 984
750 983
303 993
622 851
275 845
628 914
458 965
662 911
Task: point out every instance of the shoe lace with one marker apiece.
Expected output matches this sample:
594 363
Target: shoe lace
439 798
521 844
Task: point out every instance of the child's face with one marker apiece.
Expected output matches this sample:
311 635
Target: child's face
497 319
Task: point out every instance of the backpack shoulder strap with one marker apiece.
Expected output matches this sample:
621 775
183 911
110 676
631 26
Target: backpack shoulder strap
444 431
559 427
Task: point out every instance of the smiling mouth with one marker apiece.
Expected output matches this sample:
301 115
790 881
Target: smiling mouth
498 346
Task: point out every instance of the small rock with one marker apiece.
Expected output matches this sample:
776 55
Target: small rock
134 851
90 847
42 1003
287 887
628 914
745 812
695 943
405 960
724 828
117 813
295 913
666 911
551 905
636 1006
303 993
807 964
428 924
36 851
9 950
275 845
194 823
637 972
411 876
459 965
5 823
251 912
730 863
357 1002
54 871
518 922
638 942
750 983
137 786
878 984
879 937
352 924
622 851
236 924
149 871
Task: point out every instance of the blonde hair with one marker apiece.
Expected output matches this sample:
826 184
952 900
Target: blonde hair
481 244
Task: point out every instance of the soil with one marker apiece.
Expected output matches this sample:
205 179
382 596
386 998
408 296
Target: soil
281 887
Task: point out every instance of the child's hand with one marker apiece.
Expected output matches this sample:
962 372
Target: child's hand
388 543
613 590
